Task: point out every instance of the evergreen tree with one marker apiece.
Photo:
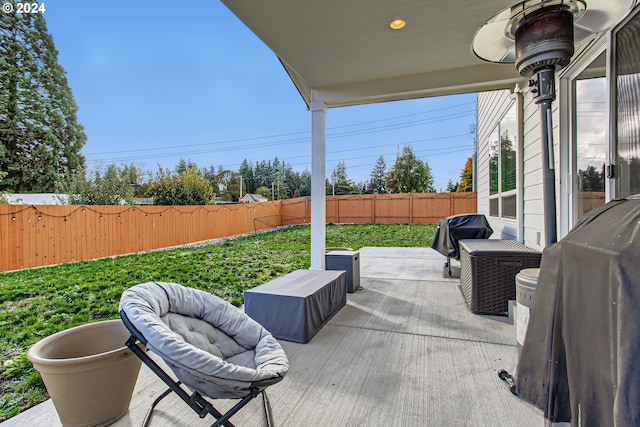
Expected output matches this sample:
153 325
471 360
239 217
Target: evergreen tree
210 174
451 186
41 137
3 197
184 165
590 179
508 159
248 181
262 174
341 182
340 171
228 185
278 183
305 183
504 152
363 187
291 180
493 168
466 177
378 177
409 174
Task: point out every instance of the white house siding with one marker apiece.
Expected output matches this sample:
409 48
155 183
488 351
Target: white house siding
492 106
532 189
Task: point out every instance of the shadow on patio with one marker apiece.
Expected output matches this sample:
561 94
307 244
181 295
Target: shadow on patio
405 350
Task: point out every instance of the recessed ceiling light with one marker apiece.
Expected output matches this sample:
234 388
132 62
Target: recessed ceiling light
397 24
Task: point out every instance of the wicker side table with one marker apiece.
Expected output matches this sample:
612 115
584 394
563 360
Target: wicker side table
488 271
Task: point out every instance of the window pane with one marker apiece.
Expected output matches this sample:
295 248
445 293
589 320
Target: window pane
493 162
493 207
591 142
508 144
509 206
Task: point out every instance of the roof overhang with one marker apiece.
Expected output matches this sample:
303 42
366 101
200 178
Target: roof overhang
345 53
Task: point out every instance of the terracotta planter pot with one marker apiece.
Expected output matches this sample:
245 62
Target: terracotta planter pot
88 372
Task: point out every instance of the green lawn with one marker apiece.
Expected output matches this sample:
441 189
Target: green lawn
38 302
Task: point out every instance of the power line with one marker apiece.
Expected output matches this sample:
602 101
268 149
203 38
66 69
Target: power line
281 135
372 146
445 150
351 167
285 142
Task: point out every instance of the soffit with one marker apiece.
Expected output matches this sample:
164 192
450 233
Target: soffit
344 53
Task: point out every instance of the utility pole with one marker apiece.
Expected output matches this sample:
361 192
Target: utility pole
333 183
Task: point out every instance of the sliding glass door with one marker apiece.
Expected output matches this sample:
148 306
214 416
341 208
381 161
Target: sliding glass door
627 107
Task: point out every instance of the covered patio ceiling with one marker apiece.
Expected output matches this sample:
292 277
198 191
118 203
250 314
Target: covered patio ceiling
341 53
344 53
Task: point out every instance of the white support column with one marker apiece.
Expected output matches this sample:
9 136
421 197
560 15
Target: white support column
318 184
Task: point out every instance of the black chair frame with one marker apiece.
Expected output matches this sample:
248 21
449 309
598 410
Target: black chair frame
195 400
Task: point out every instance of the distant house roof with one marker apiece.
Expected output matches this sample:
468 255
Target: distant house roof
37 199
143 201
253 198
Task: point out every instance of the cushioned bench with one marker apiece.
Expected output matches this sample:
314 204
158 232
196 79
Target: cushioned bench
294 307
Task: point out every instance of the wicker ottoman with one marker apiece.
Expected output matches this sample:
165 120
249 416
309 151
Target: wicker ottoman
488 271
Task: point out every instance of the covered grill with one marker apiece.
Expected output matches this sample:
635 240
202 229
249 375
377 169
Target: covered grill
455 228
579 359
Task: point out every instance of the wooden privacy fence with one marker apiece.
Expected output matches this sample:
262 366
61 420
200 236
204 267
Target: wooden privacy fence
414 208
39 235
588 200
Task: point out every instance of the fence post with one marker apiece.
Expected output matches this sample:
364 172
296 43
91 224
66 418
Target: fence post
373 208
451 204
410 208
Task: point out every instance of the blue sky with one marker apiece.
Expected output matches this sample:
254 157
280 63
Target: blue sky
158 80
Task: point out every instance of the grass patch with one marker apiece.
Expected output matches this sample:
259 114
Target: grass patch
38 302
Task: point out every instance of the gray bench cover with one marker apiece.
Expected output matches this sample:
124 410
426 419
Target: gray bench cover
294 307
211 346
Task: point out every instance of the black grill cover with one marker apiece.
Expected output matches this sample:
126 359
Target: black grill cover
581 353
458 227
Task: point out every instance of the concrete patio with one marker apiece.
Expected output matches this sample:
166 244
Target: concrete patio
404 351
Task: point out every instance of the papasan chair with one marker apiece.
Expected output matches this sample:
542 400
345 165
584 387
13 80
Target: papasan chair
212 347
